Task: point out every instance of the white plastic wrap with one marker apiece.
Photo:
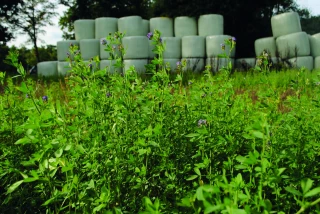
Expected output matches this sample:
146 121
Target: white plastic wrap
194 64
84 29
145 27
265 44
139 64
317 63
213 46
185 26
173 47
217 63
104 26
131 26
136 47
63 68
193 47
315 44
285 23
89 48
211 24
299 62
162 24
245 63
293 45
63 49
48 68
108 65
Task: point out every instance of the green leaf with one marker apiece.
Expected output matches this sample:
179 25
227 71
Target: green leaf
22 141
58 153
212 209
293 191
98 208
14 186
192 177
28 180
312 192
258 134
192 135
197 171
306 185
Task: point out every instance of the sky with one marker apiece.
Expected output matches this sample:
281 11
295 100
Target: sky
54 34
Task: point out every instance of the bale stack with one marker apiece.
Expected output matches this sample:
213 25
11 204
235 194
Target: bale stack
315 49
293 46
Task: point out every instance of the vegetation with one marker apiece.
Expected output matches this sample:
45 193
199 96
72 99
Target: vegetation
218 143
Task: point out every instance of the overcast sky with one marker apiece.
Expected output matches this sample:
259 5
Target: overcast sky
54 34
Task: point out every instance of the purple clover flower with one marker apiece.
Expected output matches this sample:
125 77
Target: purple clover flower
45 98
178 63
103 41
234 39
149 35
160 39
202 122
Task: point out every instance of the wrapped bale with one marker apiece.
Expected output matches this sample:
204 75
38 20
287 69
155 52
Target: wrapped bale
84 29
162 24
293 45
172 64
109 66
285 23
139 65
63 49
194 64
218 63
145 27
211 24
317 63
300 62
193 47
89 48
137 47
63 68
315 44
131 26
104 26
213 46
267 44
245 63
173 47
48 68
185 26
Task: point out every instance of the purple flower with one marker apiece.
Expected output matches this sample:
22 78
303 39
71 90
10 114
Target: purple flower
45 98
202 122
234 39
160 39
103 41
178 63
90 65
149 35
108 94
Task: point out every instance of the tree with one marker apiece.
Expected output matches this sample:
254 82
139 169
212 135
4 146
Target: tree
7 9
31 17
91 9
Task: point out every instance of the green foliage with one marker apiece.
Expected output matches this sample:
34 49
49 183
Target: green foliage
102 143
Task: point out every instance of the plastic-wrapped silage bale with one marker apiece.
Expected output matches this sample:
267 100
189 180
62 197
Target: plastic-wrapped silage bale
104 26
245 63
267 44
293 45
213 46
173 47
145 27
48 68
317 63
185 26
63 68
89 48
300 62
193 47
218 63
194 64
162 24
210 24
172 64
131 26
315 44
285 23
136 47
84 29
63 49
109 66
139 65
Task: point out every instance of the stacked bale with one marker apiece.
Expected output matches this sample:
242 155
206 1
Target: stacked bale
214 52
315 49
193 51
172 53
62 54
47 69
292 44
